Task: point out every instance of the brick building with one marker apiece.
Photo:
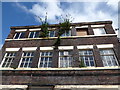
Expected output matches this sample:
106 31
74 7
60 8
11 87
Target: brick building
29 62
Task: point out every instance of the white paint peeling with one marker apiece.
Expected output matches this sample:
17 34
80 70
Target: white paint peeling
46 48
105 46
12 49
85 47
65 47
29 48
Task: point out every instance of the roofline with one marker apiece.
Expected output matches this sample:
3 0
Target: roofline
55 25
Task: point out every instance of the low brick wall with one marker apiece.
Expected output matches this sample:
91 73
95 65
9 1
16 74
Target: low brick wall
61 77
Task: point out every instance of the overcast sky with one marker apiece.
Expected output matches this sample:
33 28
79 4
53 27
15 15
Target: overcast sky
24 13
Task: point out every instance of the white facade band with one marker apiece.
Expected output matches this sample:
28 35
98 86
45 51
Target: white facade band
65 47
29 48
97 25
12 49
86 26
46 48
13 86
105 46
20 30
35 29
85 47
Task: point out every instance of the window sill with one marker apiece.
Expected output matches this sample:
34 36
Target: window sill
70 68
63 37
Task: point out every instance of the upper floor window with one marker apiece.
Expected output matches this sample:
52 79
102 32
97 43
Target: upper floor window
26 59
108 57
19 35
8 59
87 57
81 31
99 31
34 34
51 33
66 34
65 59
45 60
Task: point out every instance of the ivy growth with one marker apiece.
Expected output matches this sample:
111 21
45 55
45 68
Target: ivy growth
64 27
82 64
44 27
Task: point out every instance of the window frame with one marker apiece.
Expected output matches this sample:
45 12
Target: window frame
8 58
43 62
88 57
70 56
19 36
99 30
50 33
65 34
19 66
33 34
113 54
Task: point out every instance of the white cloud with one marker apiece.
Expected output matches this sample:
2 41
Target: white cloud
89 11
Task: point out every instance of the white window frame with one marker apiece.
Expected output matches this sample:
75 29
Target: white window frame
68 61
108 54
48 60
99 30
87 56
65 34
50 33
25 58
20 33
5 56
33 34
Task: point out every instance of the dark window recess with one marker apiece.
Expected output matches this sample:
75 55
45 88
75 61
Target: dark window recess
19 35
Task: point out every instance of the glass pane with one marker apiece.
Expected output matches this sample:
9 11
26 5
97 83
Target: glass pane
22 35
37 34
16 35
31 35
99 31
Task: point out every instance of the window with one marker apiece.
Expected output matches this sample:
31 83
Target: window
8 59
87 57
65 59
66 34
108 57
81 32
99 31
45 60
19 35
34 34
51 33
26 59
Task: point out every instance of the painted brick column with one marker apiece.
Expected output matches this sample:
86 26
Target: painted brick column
35 59
97 58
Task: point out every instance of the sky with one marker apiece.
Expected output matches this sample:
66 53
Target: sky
18 13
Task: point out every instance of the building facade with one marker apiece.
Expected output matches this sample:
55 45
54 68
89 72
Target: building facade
87 58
